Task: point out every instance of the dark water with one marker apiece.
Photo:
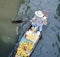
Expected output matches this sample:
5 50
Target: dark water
49 45
8 9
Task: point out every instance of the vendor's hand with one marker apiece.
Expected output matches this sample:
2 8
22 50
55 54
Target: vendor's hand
31 21
45 21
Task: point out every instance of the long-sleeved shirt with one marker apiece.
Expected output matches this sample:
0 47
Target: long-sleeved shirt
38 20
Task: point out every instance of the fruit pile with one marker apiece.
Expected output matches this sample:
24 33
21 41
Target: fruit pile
31 36
24 49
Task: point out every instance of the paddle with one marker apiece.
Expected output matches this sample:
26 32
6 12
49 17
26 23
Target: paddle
19 21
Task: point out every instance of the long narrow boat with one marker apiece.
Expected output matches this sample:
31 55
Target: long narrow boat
27 43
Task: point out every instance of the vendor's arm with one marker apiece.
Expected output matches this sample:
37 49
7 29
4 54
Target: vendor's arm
33 19
45 20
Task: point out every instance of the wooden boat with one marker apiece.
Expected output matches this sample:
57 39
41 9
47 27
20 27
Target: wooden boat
27 43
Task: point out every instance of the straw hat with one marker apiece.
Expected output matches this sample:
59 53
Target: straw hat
41 13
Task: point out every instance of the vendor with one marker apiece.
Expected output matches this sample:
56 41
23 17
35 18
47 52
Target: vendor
39 19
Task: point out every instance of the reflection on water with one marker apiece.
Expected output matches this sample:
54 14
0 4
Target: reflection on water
50 44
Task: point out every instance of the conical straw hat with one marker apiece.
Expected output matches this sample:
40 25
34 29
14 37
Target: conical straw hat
39 13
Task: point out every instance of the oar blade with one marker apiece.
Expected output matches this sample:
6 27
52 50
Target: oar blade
17 21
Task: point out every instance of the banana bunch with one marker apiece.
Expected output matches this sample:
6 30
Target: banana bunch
31 35
24 48
34 29
28 34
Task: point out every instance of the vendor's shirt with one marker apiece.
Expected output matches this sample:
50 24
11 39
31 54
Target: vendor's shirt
38 20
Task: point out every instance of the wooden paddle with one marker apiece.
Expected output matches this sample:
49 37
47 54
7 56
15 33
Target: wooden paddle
19 21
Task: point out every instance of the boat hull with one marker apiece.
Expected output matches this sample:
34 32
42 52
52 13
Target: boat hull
27 44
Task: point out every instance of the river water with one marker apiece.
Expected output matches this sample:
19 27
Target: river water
49 45
8 9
